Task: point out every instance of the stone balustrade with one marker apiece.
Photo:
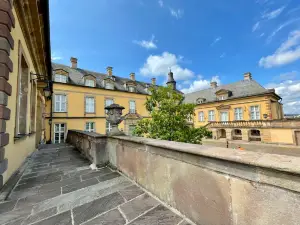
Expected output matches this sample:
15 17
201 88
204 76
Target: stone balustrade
284 123
209 185
91 145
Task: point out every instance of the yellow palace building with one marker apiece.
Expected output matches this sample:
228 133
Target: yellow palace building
80 96
244 111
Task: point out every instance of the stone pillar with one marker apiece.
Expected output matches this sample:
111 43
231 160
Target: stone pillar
245 134
228 134
214 133
265 135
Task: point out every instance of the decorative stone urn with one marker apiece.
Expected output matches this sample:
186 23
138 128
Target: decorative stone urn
114 117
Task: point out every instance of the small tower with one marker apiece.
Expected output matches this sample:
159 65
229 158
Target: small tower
171 82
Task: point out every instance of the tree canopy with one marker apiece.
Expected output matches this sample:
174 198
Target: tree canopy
171 118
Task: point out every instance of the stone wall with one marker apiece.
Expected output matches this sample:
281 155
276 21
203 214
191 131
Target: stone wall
209 185
91 145
255 146
212 185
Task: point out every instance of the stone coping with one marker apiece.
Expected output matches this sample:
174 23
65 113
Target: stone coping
91 134
281 163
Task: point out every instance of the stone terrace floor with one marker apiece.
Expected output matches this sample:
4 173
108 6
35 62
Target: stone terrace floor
58 188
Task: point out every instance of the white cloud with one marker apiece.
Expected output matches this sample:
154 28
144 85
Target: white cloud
289 90
288 52
161 3
147 44
286 76
255 26
177 13
216 41
280 27
200 84
159 65
273 14
55 56
223 55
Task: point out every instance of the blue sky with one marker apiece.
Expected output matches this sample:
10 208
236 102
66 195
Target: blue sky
200 40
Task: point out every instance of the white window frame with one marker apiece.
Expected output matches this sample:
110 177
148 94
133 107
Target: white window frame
89 83
60 78
60 103
238 113
90 127
132 107
255 112
131 89
107 101
59 131
201 116
89 104
211 115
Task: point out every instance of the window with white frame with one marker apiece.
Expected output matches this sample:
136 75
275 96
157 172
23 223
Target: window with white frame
131 106
90 105
200 116
211 115
131 89
238 114
89 83
108 102
60 103
60 78
90 127
254 112
108 127
59 133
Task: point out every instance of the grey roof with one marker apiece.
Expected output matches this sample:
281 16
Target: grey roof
76 77
238 89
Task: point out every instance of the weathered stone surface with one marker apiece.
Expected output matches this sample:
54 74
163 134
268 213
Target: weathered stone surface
108 176
40 216
204 196
131 192
138 206
7 206
76 186
12 216
105 189
89 210
101 172
184 223
112 217
60 219
31 200
158 215
256 204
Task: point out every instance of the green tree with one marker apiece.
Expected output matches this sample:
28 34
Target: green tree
169 118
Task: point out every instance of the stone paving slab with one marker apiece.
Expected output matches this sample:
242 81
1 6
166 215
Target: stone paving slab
59 188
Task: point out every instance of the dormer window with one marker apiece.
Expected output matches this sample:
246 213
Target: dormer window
89 83
200 100
60 78
131 89
223 94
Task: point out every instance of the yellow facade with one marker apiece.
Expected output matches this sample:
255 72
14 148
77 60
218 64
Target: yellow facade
76 117
263 102
22 126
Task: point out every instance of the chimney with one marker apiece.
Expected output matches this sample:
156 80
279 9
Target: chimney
132 76
247 76
109 71
213 84
153 80
73 62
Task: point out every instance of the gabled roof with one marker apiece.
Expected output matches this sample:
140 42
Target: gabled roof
243 88
76 77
